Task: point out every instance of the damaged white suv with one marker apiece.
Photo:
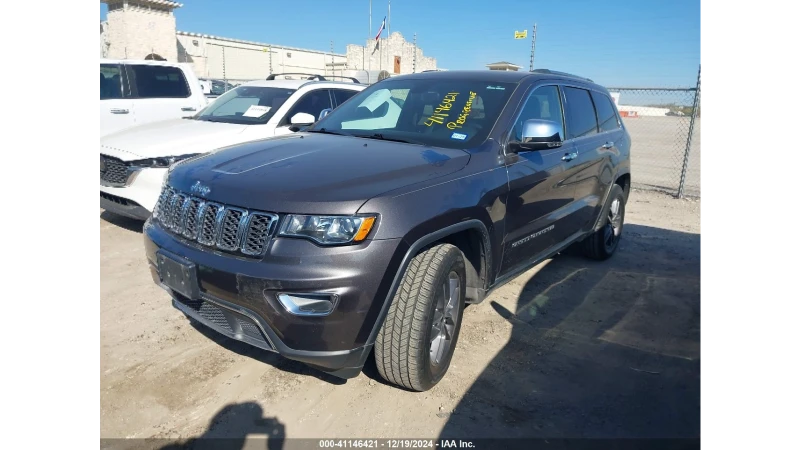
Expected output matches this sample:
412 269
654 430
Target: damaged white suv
133 161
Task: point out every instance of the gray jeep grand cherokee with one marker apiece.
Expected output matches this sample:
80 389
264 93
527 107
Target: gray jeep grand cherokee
370 230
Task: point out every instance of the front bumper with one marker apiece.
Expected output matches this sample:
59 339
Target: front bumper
136 200
123 206
237 296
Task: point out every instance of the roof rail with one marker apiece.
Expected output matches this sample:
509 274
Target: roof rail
353 79
563 74
310 76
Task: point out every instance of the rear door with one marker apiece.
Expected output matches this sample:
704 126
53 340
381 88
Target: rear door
582 154
160 93
116 108
605 149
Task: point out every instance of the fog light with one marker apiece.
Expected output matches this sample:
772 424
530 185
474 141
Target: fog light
308 304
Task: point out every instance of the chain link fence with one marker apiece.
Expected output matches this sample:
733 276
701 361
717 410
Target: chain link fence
665 135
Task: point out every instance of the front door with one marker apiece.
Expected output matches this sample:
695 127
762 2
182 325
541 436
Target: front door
538 197
312 103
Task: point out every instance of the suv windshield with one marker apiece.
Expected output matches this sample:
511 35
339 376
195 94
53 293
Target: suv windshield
246 105
437 112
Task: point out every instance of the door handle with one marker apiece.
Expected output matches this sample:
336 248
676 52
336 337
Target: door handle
569 156
119 111
188 108
608 144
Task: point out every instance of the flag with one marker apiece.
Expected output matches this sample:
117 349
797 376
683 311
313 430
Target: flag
378 36
380 30
520 34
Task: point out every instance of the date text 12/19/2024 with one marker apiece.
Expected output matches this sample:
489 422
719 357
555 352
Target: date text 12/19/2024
395 443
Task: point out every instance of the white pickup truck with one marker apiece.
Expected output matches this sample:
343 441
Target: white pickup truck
136 92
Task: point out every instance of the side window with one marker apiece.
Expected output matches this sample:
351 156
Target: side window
110 81
159 81
606 116
581 118
312 103
544 103
341 95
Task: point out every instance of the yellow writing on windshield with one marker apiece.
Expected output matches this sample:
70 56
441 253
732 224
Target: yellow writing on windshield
462 118
443 110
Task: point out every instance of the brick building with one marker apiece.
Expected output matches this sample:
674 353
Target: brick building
146 29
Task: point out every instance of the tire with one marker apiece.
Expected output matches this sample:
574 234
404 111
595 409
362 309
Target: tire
602 244
405 351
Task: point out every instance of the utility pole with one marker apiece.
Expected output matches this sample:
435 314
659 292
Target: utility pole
533 45
269 48
414 59
333 66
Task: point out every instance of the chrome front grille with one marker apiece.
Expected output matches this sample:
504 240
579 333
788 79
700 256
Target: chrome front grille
214 225
113 171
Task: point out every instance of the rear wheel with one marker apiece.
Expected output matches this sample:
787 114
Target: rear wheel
604 242
418 338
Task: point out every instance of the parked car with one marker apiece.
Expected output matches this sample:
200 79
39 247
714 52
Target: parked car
133 161
214 88
138 92
371 230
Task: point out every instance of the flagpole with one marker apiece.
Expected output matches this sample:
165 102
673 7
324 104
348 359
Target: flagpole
389 21
370 31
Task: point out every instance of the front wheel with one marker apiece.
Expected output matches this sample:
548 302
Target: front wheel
418 338
604 242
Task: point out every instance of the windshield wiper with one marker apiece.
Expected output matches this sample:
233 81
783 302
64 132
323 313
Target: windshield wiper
381 137
324 131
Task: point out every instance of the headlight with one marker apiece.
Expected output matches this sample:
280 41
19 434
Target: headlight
328 229
160 162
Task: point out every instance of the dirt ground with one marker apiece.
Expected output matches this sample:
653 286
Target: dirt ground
571 348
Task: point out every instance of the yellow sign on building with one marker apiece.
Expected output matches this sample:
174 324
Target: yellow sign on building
520 34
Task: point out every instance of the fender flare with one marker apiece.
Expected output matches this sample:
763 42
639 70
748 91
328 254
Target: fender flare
412 251
598 222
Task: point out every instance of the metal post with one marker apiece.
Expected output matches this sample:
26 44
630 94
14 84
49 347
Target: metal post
682 184
224 74
333 66
533 45
414 60
269 47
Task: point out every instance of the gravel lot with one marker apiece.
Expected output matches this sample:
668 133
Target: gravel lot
657 156
571 348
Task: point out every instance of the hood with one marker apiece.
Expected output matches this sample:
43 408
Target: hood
172 138
312 173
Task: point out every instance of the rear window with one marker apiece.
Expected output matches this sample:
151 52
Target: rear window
581 119
159 82
606 117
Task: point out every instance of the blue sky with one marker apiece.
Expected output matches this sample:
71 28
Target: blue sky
644 43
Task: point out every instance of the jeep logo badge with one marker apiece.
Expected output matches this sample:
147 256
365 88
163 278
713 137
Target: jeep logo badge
200 189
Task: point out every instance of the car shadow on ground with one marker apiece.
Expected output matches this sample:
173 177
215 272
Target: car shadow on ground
234 426
597 349
122 221
264 356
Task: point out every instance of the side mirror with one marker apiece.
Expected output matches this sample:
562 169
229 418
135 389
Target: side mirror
538 134
324 112
302 119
